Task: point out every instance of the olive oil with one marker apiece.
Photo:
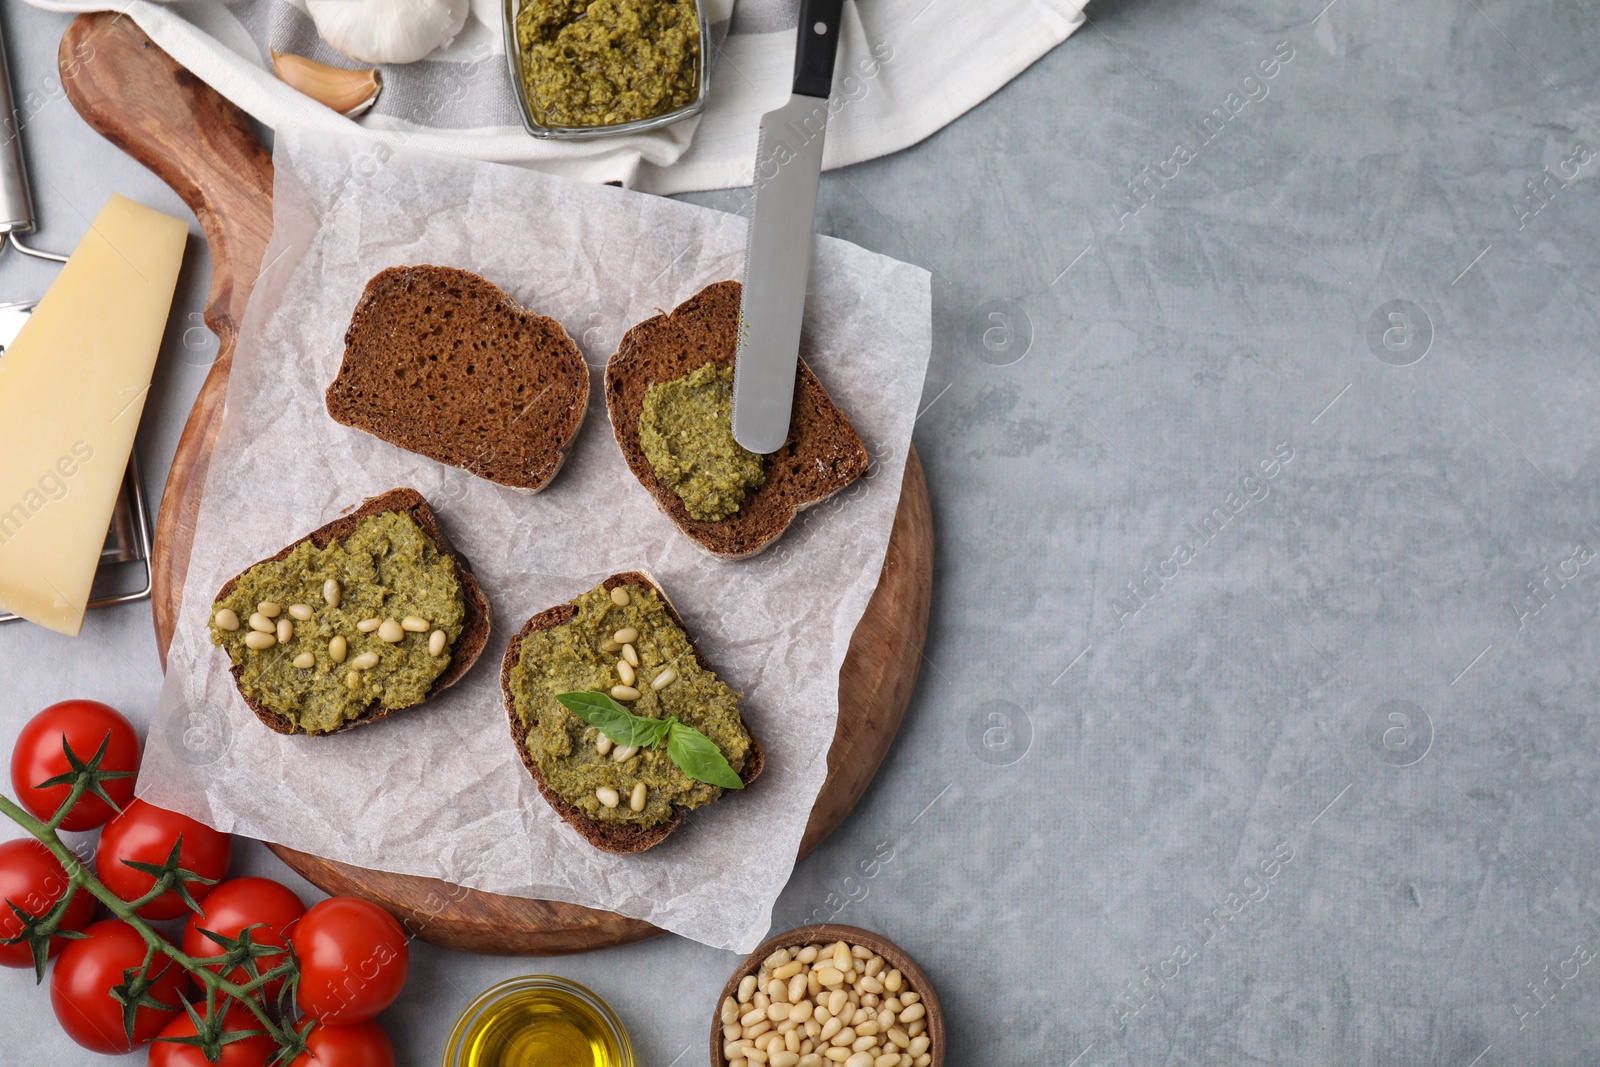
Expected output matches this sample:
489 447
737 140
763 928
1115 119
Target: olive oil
539 1022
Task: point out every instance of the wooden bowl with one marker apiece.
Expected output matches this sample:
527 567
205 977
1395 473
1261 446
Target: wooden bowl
825 934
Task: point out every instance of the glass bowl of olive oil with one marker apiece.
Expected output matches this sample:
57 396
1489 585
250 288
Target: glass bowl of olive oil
538 1020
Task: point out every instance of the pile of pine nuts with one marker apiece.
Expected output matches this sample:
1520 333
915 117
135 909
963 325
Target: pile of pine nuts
833 1005
267 629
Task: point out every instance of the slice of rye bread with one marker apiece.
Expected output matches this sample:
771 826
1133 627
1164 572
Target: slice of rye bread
823 455
475 622
440 362
605 836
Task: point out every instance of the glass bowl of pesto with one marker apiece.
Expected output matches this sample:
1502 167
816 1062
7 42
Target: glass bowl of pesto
604 68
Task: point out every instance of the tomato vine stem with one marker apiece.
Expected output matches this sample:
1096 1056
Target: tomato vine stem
81 877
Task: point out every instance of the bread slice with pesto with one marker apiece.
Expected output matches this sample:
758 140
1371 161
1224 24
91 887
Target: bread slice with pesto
441 362
730 502
572 648
295 642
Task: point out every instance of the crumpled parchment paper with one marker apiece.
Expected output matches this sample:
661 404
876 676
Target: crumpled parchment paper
439 790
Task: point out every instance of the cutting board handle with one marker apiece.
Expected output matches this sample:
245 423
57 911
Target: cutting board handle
141 100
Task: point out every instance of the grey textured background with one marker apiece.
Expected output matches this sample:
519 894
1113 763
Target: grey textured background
1327 796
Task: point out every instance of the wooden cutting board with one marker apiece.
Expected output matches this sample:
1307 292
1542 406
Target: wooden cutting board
205 148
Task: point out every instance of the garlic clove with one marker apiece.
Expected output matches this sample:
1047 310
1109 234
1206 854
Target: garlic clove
349 92
388 31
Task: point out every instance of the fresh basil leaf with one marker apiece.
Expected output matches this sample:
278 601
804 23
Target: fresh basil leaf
614 720
647 732
698 756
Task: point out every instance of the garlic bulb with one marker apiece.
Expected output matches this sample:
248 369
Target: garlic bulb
349 92
388 31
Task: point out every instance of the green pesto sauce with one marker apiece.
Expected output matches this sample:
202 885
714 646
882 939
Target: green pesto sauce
387 568
606 62
686 431
568 659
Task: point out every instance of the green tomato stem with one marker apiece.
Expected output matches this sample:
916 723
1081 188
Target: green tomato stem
78 789
84 878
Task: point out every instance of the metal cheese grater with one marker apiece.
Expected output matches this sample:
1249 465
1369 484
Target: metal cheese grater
128 540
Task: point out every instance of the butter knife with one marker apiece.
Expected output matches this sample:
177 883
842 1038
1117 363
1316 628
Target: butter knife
778 256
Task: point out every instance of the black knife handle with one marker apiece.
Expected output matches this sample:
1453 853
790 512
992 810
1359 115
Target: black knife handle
817 46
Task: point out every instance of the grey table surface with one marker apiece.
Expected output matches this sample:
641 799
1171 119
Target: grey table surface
1256 721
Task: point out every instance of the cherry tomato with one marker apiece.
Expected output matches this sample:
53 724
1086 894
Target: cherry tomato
33 880
360 1045
80 988
247 1052
145 833
239 903
353 960
39 756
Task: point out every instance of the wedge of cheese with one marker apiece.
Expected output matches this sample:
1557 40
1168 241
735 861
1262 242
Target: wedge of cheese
72 388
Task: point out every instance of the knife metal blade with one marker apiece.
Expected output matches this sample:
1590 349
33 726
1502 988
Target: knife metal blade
778 256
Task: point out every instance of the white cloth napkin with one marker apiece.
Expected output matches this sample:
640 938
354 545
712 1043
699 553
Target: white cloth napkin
905 70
